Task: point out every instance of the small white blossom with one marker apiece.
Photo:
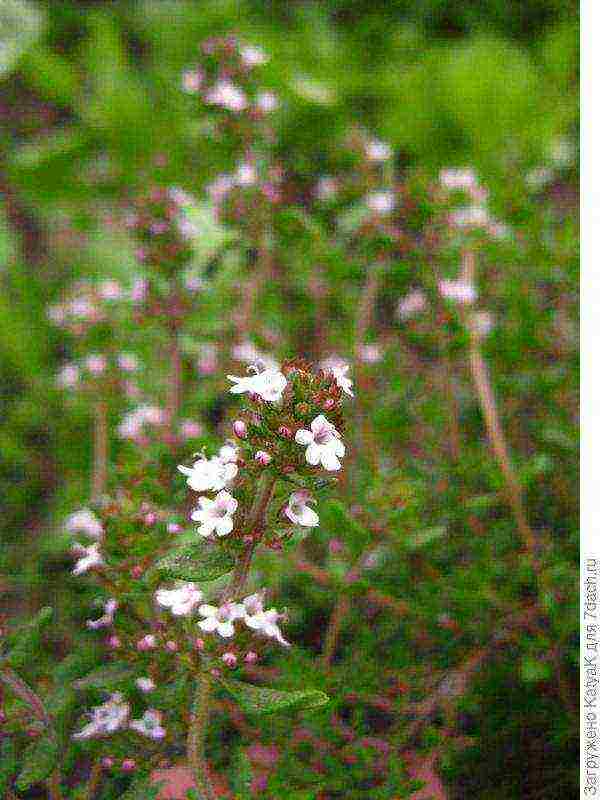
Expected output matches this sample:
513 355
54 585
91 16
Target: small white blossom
110 290
220 188
326 188
412 304
106 719
84 521
246 174
339 370
370 353
215 515
265 622
209 474
253 56
128 362
458 291
267 102
378 151
470 217
268 384
380 202
191 81
299 512
180 601
145 684
253 604
219 619
228 453
68 376
149 725
89 558
227 95
323 444
107 618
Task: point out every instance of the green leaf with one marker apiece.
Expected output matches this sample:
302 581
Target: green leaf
106 677
262 700
196 562
27 640
20 25
38 762
8 764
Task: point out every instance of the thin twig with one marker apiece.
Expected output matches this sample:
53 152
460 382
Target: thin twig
197 736
100 466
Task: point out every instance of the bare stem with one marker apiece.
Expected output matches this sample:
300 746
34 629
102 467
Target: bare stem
197 736
175 382
100 467
336 620
255 527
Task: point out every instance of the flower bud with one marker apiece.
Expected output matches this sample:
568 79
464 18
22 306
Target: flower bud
302 409
229 659
285 432
329 404
262 457
114 642
172 646
128 765
147 642
240 429
199 644
251 657
136 572
108 762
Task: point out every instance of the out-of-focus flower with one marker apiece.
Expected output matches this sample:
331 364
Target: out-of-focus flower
190 429
381 202
128 362
84 521
253 56
327 188
191 81
106 719
95 363
149 725
339 370
378 151
370 353
227 95
145 684
458 291
89 558
69 375
470 217
107 618
180 601
267 102
299 512
323 444
215 516
412 304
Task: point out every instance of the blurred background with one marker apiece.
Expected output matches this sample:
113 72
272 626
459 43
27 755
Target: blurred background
91 111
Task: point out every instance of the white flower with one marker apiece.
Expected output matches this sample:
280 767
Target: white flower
106 719
145 684
299 512
68 376
370 353
149 725
380 202
191 81
209 475
326 188
253 604
220 188
90 557
323 444
459 180
181 601
339 369
412 304
459 291
228 453
84 521
227 95
265 622
378 151
267 102
128 362
470 217
253 56
96 364
268 384
107 618
215 515
219 619
132 425
110 290
246 174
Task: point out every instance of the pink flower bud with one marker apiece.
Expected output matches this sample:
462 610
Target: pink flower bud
240 429
329 404
108 762
251 657
336 546
262 457
230 659
285 432
128 765
173 527
215 673
172 646
114 642
136 572
199 644
150 518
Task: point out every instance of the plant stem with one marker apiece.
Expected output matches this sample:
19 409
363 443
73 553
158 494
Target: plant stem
197 736
175 382
100 467
255 526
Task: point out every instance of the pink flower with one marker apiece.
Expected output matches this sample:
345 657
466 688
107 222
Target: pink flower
298 511
323 444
